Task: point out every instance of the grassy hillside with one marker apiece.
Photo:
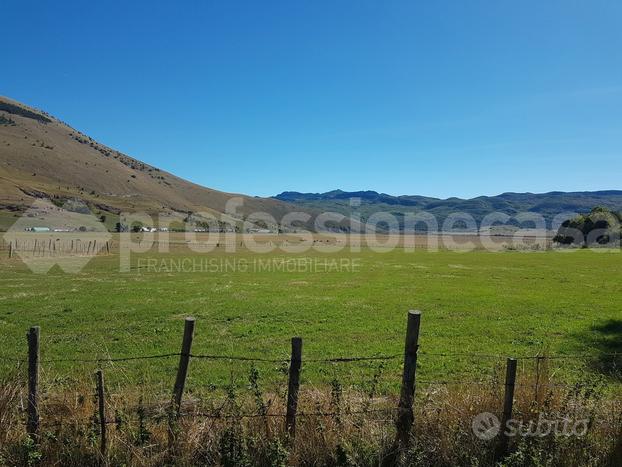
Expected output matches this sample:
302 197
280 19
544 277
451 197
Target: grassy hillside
42 157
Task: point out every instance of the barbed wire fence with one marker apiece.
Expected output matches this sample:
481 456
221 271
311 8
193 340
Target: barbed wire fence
402 414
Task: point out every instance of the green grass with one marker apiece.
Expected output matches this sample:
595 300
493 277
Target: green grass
7 219
506 303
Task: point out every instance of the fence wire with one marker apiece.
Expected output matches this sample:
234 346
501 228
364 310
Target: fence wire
348 359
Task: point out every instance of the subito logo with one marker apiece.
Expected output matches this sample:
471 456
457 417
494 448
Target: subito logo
486 426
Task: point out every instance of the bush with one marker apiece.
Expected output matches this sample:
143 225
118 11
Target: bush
600 227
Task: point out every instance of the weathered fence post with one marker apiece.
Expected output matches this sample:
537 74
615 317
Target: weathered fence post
184 361
101 401
508 403
180 380
10 249
293 384
405 416
32 424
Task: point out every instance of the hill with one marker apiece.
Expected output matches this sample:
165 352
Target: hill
42 157
548 205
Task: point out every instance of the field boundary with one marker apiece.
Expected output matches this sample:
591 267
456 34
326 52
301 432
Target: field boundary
403 414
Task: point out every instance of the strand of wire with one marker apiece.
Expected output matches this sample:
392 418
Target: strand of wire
349 359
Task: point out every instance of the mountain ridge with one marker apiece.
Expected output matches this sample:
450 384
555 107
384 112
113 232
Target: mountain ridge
548 204
338 193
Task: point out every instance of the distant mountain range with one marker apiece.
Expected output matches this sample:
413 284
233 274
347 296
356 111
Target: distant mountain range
548 205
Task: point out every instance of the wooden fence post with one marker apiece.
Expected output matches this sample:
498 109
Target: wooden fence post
99 380
10 249
180 380
32 424
184 361
508 403
293 384
405 416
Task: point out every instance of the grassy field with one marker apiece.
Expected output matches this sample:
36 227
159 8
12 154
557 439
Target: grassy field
503 303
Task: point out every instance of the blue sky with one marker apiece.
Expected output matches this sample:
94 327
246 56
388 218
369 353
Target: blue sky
427 97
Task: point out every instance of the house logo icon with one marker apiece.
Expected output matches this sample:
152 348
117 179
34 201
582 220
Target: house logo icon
67 235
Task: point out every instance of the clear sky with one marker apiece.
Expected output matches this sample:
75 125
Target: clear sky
440 98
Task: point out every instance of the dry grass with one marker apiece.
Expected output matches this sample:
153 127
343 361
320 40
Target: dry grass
334 427
9 396
55 160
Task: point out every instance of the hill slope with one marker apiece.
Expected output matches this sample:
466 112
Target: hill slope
42 157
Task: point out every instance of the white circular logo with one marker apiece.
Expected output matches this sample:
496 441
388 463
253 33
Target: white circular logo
47 235
486 426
